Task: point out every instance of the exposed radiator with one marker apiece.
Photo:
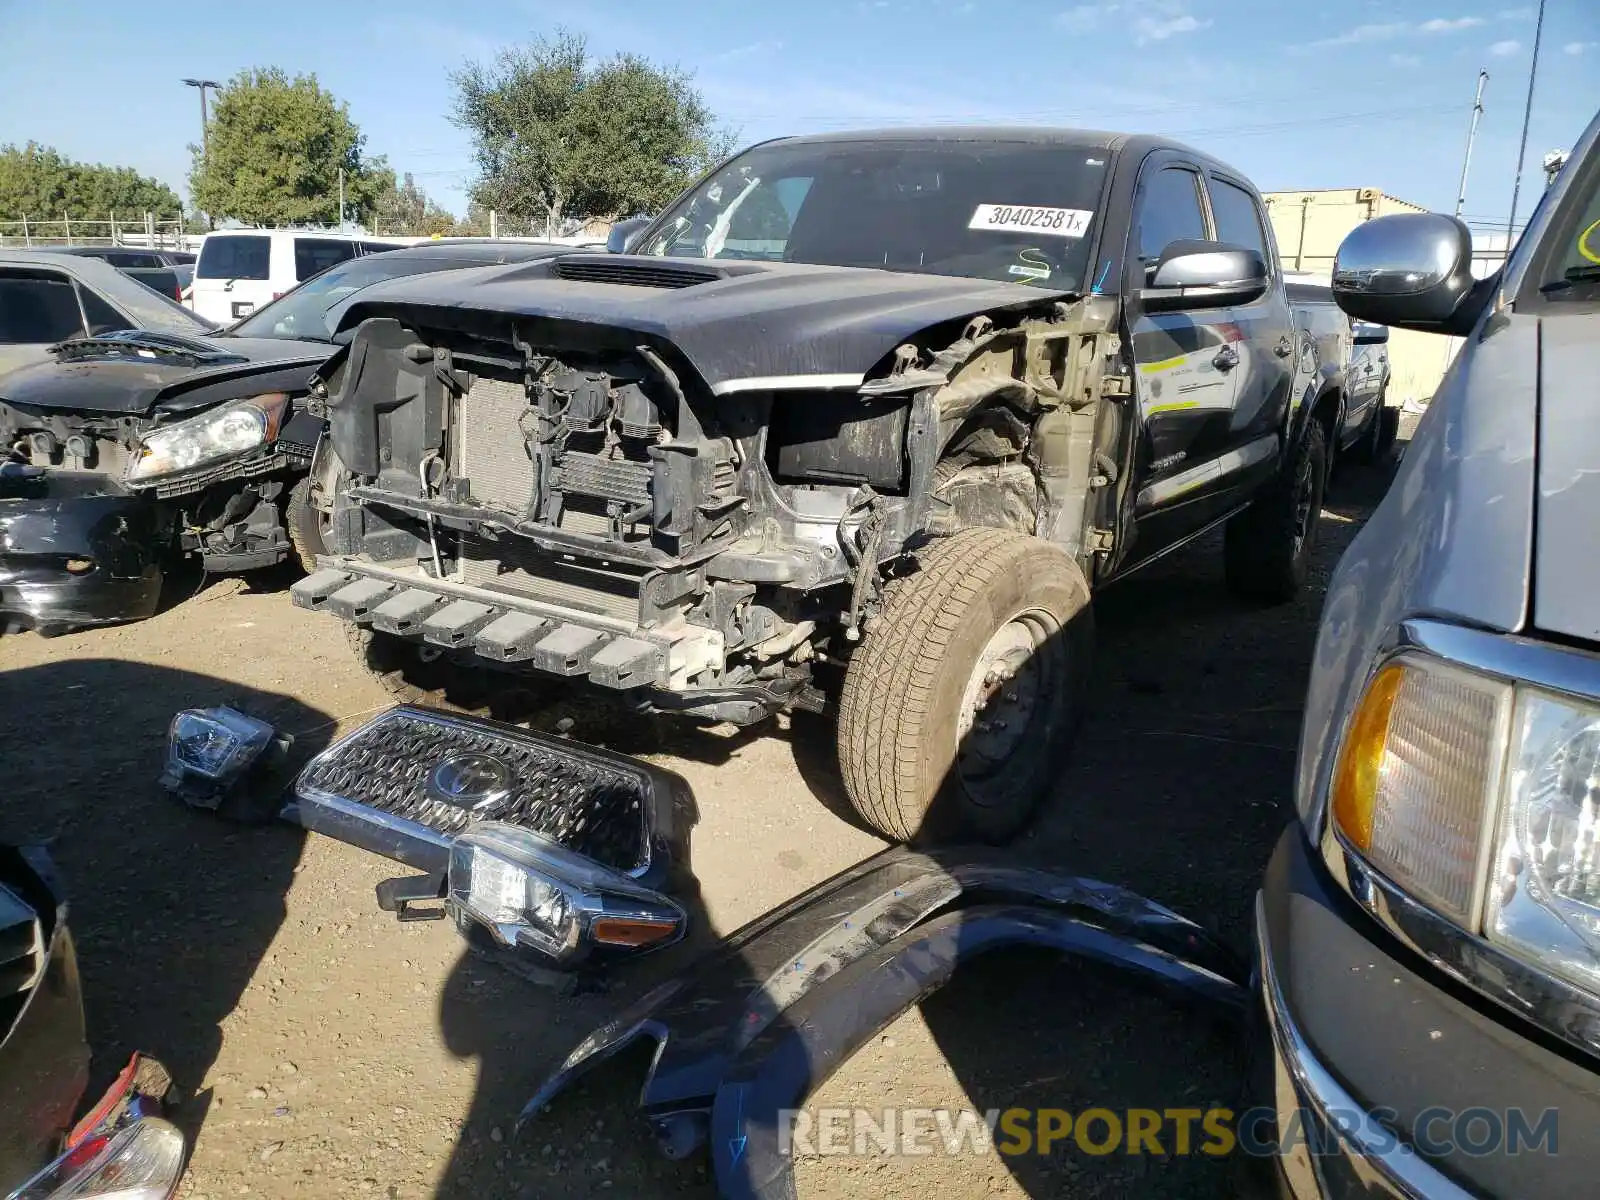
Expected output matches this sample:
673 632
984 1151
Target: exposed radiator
491 448
524 570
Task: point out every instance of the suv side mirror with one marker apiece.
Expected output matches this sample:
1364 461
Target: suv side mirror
1366 333
624 234
1412 270
1194 274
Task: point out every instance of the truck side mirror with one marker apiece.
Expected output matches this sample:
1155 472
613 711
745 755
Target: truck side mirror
624 234
1365 333
1195 274
1412 270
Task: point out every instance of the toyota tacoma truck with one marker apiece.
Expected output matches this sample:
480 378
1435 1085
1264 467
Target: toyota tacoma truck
859 421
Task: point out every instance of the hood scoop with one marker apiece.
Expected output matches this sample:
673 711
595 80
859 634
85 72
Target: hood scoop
633 272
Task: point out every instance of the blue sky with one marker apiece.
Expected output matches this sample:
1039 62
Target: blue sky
1372 93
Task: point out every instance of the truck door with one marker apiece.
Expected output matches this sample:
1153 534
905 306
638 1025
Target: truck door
1187 367
1264 378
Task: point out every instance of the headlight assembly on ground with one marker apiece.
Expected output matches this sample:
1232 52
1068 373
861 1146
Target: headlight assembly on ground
139 1162
1480 798
185 445
526 891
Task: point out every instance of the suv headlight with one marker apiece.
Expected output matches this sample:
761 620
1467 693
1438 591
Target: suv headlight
221 433
1481 799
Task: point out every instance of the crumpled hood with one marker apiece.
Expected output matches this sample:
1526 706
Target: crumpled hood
735 321
1566 568
133 386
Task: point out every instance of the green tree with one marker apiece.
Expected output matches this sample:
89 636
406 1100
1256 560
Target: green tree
274 147
37 182
405 209
558 135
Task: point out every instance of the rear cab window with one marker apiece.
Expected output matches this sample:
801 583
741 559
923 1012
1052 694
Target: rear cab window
312 256
237 256
1237 218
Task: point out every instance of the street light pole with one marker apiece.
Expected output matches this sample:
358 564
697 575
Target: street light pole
205 119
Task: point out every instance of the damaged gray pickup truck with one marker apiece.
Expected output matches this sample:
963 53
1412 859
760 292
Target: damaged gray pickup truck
861 418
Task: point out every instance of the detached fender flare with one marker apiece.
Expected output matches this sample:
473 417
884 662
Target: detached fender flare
796 1054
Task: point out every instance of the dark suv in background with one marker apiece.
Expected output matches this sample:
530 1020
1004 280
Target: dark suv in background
167 271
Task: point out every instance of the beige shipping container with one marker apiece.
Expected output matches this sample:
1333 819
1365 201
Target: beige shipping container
1309 226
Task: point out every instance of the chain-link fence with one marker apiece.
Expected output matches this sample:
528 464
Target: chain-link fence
116 229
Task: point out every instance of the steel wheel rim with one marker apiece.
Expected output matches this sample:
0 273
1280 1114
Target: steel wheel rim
1007 704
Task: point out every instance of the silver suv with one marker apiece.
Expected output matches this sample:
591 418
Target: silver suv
1428 934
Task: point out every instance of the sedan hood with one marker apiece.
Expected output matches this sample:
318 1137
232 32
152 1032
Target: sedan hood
133 386
1566 569
738 323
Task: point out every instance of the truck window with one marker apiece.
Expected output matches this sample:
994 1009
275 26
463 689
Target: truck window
102 317
1169 212
1237 218
237 256
36 309
312 256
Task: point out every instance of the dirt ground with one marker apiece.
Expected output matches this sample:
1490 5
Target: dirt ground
332 1051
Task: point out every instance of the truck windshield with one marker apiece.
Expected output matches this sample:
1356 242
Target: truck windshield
1574 270
1016 211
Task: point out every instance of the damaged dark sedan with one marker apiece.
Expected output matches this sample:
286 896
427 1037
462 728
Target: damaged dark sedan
152 444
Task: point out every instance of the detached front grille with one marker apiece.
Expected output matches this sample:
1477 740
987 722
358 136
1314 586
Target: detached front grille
381 788
632 273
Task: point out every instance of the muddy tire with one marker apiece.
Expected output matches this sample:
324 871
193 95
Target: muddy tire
307 525
1268 546
959 706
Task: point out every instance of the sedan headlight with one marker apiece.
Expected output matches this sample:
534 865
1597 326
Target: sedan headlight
527 891
221 433
1481 799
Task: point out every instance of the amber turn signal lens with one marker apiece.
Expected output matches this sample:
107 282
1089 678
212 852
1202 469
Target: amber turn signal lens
630 931
1355 780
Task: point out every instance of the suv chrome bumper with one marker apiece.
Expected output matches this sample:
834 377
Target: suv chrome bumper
507 629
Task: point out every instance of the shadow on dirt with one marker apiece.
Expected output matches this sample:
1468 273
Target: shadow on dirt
1179 784
172 909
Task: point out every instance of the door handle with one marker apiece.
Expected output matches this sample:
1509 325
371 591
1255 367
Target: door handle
1226 360
1284 348
1369 369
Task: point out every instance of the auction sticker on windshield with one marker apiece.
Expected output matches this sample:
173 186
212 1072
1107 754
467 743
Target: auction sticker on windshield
1053 222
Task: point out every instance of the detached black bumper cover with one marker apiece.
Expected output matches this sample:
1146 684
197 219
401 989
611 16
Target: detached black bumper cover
77 549
789 997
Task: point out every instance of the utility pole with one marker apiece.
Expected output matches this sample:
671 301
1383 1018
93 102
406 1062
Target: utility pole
205 120
1527 116
341 197
1472 137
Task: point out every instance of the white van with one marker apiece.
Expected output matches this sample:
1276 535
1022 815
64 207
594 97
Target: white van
240 270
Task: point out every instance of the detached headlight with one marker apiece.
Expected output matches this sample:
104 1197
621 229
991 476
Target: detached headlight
1481 799
140 1162
221 433
526 891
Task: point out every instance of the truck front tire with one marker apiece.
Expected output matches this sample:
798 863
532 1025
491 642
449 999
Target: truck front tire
959 706
1268 546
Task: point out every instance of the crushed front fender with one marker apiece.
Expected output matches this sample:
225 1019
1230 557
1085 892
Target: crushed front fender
844 959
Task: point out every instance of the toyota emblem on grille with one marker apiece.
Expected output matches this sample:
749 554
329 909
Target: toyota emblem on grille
469 780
